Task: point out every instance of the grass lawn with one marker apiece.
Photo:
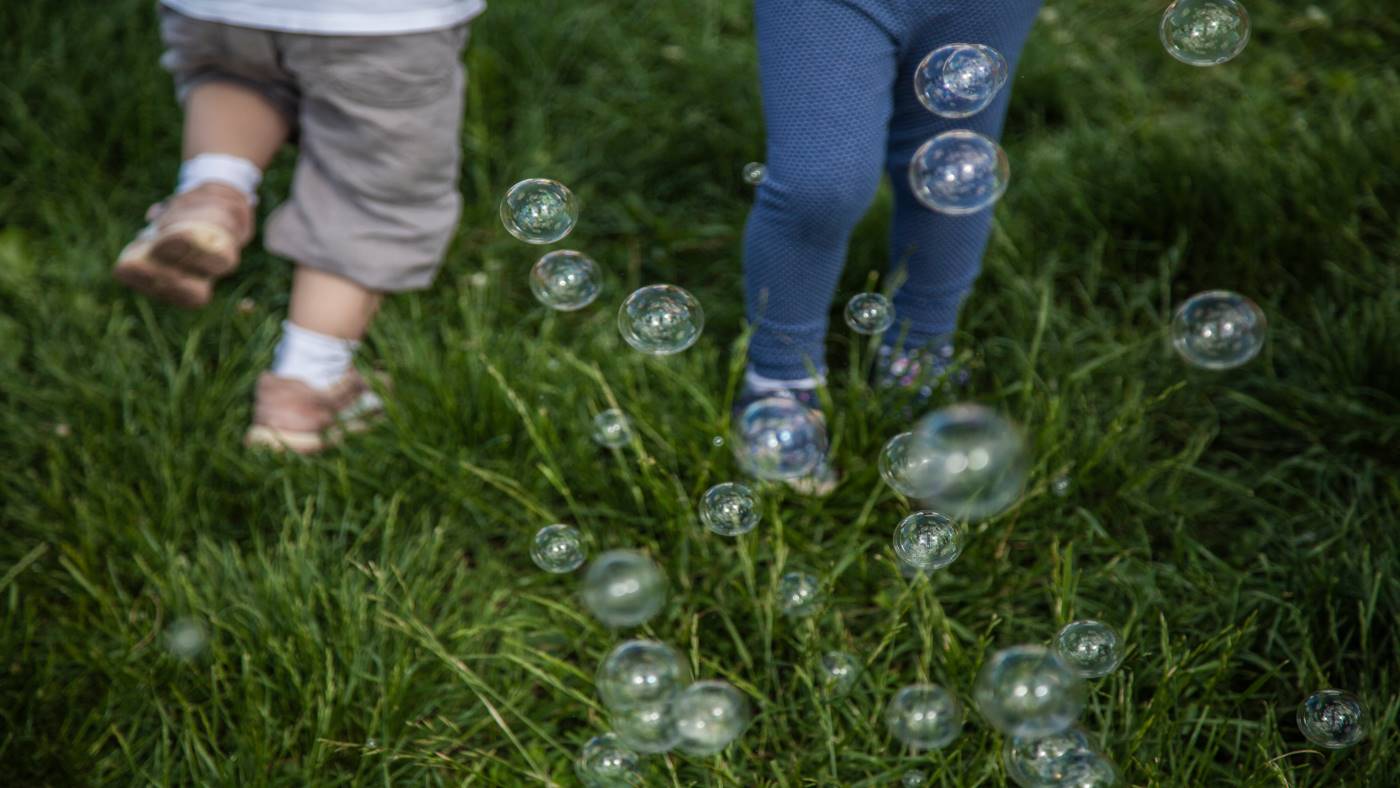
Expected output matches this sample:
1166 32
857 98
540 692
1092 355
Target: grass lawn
373 614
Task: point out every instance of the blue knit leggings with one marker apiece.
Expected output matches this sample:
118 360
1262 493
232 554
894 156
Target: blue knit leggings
838 100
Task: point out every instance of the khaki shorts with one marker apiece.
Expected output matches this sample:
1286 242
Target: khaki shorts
378 119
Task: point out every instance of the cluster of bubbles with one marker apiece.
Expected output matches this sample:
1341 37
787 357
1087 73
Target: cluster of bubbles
1204 32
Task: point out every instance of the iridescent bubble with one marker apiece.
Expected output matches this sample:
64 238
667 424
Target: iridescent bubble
1333 719
1028 691
869 313
605 762
566 280
612 429
755 173
905 470
838 673
924 716
1088 769
928 540
729 509
799 594
913 779
958 80
640 673
709 715
661 320
976 461
779 438
1218 329
1042 760
186 638
1090 648
624 588
558 549
649 729
1204 32
539 211
959 172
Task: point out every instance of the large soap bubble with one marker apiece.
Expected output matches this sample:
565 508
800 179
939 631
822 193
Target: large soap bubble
1091 648
1218 330
605 762
779 438
729 509
959 172
1035 761
1028 691
709 715
624 588
539 211
928 541
1204 32
1333 719
640 673
958 80
924 716
566 280
558 549
661 320
974 461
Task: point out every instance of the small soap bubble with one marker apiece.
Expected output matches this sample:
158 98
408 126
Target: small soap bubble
717 441
838 673
1028 691
612 429
755 173
1204 32
976 461
1088 769
640 673
709 715
958 80
649 729
1060 486
558 549
1091 649
959 172
624 588
566 280
660 320
1042 760
924 716
913 779
1218 330
729 509
186 638
778 438
869 313
904 469
799 595
928 540
539 211
1333 719
605 762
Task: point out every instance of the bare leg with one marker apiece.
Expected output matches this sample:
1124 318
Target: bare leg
223 117
330 304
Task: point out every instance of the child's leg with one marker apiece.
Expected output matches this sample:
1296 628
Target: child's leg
228 118
826 69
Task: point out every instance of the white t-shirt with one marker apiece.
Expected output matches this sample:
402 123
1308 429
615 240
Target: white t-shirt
334 17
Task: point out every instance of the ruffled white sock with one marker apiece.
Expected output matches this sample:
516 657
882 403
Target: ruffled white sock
316 359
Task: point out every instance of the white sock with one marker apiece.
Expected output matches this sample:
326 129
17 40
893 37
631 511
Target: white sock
318 360
760 383
234 171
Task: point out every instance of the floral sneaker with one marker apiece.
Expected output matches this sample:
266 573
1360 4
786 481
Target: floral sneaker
823 479
919 371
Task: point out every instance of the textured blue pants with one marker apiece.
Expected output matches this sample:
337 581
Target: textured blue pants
840 109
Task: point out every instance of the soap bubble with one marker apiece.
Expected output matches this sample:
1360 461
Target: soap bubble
1218 329
558 549
566 280
1333 719
605 762
1060 486
928 540
779 438
640 673
729 509
709 715
838 673
186 638
958 80
539 211
913 779
869 313
661 320
976 461
959 172
1204 32
649 729
903 468
612 429
799 594
924 716
755 173
624 588
1042 760
1088 769
1028 691
1090 648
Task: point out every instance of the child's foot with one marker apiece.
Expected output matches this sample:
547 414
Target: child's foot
289 414
918 371
822 480
192 239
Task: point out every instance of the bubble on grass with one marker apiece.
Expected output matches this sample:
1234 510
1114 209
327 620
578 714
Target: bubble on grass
566 280
558 549
612 429
958 80
605 762
924 716
778 438
624 588
913 779
905 470
928 540
539 211
661 320
976 461
1033 761
186 638
869 313
640 673
959 172
647 729
837 673
799 594
1088 769
717 441
729 509
709 715
1091 649
1333 719
1028 691
1204 32
1060 486
1218 330
755 173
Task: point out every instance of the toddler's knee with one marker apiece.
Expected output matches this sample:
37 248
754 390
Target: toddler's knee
823 202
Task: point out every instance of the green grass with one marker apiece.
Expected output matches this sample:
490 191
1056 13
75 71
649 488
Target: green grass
373 614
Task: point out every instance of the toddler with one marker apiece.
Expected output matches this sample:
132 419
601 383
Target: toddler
372 93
